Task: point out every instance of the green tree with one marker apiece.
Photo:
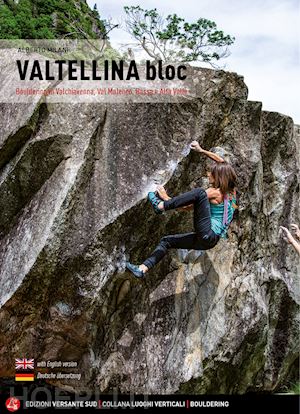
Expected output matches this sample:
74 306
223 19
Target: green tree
8 25
43 28
31 19
25 20
55 19
174 39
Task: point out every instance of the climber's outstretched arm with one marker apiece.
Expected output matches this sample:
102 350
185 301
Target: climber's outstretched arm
196 147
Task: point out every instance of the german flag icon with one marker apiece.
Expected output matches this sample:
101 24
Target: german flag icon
28 376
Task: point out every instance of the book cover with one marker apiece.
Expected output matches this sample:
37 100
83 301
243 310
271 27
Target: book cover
149 205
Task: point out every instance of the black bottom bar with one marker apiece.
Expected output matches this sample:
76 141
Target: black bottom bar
29 398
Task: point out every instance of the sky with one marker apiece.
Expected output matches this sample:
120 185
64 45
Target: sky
266 51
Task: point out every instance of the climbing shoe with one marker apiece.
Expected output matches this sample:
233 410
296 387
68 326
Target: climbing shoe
135 270
155 200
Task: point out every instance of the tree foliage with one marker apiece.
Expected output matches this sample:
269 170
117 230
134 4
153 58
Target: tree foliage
174 39
40 19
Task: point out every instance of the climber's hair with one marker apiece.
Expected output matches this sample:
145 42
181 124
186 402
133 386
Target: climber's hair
224 176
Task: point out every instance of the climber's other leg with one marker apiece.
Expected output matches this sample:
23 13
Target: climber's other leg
178 241
184 241
138 271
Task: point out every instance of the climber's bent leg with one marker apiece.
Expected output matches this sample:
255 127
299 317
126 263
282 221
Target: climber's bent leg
202 219
179 241
190 197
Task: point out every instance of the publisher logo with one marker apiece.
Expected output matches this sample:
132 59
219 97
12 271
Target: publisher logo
12 404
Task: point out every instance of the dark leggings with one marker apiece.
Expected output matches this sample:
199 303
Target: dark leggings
203 238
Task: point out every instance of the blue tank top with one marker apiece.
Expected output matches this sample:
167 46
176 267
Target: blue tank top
221 215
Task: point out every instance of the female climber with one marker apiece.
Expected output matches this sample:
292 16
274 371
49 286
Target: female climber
213 212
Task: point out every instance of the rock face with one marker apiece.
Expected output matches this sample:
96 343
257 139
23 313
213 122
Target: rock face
73 187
